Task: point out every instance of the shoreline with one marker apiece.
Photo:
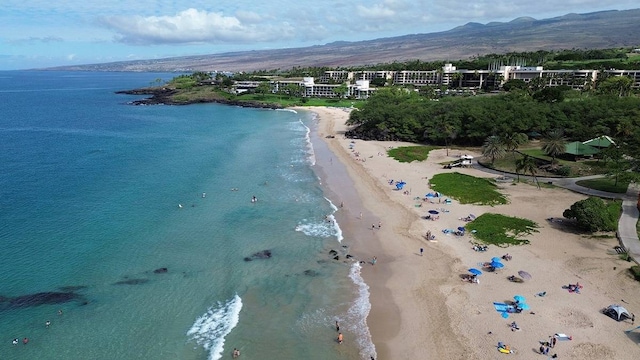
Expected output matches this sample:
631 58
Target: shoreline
419 306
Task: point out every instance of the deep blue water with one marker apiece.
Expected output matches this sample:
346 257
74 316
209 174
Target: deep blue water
95 194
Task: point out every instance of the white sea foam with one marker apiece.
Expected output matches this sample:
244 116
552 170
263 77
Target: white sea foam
358 312
323 229
210 329
336 226
311 155
288 110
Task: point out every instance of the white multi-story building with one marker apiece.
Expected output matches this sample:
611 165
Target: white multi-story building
358 83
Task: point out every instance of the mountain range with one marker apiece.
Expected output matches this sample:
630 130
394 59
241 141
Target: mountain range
597 30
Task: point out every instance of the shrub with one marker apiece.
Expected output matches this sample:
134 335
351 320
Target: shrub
564 171
592 215
635 271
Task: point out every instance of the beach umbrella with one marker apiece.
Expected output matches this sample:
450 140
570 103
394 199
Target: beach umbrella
434 212
497 264
475 271
519 298
429 195
524 275
496 259
523 306
461 228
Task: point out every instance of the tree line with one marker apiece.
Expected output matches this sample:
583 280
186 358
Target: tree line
398 114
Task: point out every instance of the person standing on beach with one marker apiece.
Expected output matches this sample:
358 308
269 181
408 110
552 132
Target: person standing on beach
421 251
373 261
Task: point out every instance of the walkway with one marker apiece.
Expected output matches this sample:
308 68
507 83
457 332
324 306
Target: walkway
627 232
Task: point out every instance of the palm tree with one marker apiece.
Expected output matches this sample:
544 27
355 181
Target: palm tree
528 165
493 148
512 141
554 144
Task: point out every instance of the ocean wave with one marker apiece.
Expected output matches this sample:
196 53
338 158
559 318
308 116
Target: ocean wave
336 226
358 312
288 110
311 155
210 329
323 229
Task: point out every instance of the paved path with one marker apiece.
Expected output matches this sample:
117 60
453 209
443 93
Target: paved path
627 232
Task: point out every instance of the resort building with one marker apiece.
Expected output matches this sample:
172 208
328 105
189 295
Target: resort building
358 82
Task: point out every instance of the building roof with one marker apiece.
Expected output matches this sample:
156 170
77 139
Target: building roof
600 142
580 149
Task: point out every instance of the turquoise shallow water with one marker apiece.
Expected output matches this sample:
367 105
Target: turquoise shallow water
95 194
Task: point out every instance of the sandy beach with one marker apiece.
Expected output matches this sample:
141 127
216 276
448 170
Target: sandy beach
421 308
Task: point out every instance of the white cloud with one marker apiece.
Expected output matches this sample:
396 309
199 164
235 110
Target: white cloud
377 11
71 57
195 26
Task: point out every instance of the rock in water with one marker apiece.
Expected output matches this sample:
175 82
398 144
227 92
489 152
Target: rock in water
131 282
43 298
264 254
160 270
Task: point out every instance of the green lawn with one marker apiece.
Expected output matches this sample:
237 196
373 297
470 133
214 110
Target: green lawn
577 168
501 230
467 189
605 184
411 153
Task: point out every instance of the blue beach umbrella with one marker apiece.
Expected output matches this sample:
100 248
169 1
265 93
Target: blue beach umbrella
523 306
475 271
496 259
519 298
434 212
497 265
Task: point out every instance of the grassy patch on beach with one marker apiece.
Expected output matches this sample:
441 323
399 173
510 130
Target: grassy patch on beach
411 153
467 189
501 230
605 184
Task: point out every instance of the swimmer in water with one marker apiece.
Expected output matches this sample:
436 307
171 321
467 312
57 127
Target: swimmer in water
340 338
15 341
235 353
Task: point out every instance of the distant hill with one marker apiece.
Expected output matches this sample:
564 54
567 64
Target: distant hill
605 29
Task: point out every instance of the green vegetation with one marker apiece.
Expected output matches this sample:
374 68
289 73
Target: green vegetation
410 153
501 230
561 168
605 184
635 272
594 214
395 114
467 189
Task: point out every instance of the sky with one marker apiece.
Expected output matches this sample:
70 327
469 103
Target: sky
46 33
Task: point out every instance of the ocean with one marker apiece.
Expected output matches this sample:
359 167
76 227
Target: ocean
129 229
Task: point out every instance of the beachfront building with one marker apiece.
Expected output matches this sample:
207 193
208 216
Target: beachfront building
633 74
309 88
450 76
358 82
